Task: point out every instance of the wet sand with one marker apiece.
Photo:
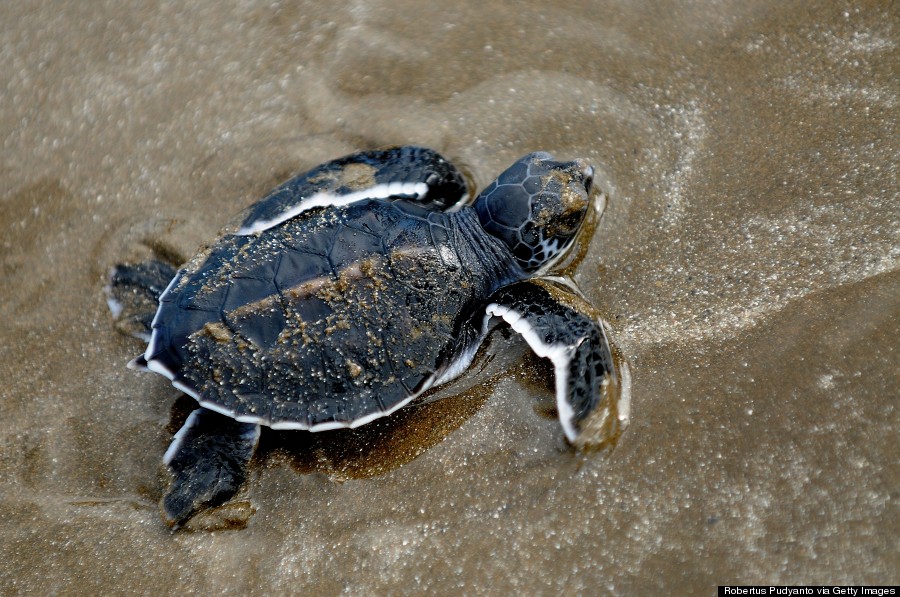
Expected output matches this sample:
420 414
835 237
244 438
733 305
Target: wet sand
747 261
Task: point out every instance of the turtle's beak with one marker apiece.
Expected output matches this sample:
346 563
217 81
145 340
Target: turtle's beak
586 169
587 172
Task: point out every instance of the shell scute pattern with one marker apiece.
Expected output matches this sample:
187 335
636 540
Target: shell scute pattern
314 318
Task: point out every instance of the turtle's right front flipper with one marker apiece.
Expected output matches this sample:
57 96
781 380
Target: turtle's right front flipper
208 459
559 325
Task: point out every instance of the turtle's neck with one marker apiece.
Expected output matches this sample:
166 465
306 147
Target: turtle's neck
494 257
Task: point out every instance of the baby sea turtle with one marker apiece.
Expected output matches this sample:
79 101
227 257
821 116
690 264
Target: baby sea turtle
352 289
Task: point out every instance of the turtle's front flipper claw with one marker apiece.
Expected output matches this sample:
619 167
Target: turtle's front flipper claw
208 459
561 326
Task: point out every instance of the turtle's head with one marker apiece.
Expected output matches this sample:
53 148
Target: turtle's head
536 207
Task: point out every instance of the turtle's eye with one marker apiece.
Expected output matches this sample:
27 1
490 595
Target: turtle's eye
567 224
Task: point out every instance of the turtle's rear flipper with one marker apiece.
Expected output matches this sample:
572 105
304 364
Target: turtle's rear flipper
133 295
208 458
560 325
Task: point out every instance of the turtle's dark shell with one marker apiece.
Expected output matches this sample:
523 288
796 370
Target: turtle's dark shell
329 319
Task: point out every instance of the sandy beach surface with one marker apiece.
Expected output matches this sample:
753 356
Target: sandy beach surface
748 263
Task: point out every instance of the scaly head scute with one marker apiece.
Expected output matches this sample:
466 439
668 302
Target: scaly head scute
536 207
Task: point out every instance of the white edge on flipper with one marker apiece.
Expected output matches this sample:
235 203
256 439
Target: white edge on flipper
624 403
115 307
325 199
178 439
559 354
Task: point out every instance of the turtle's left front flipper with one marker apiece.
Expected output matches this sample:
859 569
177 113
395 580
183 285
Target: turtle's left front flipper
559 325
208 458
